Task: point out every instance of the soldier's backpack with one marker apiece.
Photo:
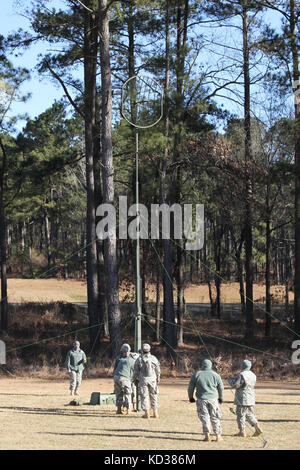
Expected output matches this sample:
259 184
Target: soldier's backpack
147 366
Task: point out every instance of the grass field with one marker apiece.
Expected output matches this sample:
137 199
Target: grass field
50 290
34 415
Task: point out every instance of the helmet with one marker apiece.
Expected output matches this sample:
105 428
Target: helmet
125 348
146 347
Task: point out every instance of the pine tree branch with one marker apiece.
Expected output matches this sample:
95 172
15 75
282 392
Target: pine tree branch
65 89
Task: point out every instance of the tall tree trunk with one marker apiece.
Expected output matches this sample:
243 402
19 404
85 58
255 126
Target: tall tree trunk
157 307
23 235
267 275
168 308
238 256
295 58
30 247
249 189
47 238
181 31
287 276
102 304
4 303
90 70
110 243
9 241
218 234
53 230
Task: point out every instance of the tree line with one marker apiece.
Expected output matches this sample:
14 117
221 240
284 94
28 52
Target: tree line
243 166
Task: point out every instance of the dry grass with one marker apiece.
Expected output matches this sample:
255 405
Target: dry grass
34 416
50 290
46 290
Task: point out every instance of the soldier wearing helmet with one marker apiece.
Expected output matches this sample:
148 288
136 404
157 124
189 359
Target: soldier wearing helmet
147 375
123 372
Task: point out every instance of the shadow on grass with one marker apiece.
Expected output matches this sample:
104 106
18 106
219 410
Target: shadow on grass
279 420
132 436
70 411
278 386
276 403
50 411
31 395
152 431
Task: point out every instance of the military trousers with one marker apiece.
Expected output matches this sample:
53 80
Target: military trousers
148 389
123 391
75 380
244 413
209 413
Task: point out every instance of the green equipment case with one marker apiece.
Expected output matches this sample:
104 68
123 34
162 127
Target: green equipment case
98 398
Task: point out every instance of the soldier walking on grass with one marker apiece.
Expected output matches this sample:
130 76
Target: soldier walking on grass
147 377
209 392
244 399
75 361
123 373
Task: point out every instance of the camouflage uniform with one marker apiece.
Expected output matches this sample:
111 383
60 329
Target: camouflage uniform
123 372
209 388
133 387
75 364
122 391
209 412
147 372
244 399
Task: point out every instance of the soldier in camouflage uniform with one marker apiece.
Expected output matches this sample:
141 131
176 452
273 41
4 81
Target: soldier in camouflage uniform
147 376
244 399
75 361
209 392
133 386
123 372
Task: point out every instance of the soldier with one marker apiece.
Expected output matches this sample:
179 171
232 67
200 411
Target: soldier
244 399
75 361
209 393
147 376
133 386
123 372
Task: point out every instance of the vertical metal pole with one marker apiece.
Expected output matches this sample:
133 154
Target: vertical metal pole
138 314
138 317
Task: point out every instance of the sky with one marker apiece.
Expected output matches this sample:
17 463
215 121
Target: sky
43 90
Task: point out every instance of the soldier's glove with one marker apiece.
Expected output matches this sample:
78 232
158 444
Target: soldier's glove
192 400
220 400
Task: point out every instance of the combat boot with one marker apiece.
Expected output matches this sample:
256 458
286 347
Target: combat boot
127 411
155 414
76 392
119 410
206 438
258 431
146 415
241 433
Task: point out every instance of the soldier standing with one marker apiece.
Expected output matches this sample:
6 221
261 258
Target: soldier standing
209 393
147 377
75 361
123 373
133 386
244 399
